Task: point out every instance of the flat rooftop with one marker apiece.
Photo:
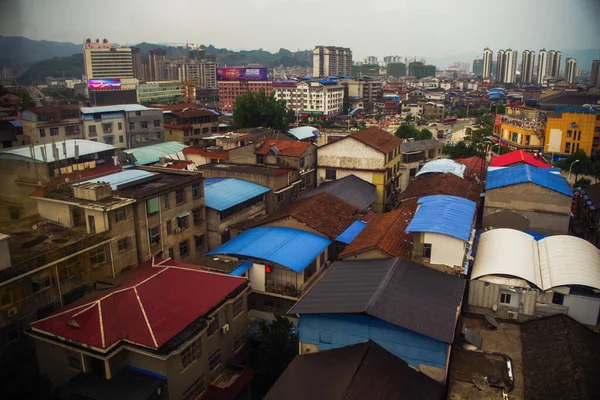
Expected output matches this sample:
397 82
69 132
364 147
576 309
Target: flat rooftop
247 169
163 180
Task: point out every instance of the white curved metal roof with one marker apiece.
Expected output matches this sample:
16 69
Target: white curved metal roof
508 252
443 165
569 260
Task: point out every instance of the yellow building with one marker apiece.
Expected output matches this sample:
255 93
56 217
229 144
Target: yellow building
524 130
568 131
373 155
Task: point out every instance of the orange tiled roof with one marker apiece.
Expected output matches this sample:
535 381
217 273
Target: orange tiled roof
385 232
377 139
286 148
448 184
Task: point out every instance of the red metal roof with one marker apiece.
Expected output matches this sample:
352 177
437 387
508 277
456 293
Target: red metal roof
286 148
516 157
157 303
223 155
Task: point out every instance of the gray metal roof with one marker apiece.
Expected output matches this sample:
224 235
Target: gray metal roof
395 290
420 145
351 189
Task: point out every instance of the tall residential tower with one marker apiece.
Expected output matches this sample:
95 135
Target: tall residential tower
487 63
527 66
542 69
553 64
330 60
570 67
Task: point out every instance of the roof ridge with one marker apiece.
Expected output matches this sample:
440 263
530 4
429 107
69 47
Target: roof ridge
358 365
145 317
382 285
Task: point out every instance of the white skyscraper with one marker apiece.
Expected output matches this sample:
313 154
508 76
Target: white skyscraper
527 62
542 69
570 68
553 64
487 63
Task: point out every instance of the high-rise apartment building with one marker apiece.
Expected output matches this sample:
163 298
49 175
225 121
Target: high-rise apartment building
371 60
506 71
500 66
392 59
570 66
330 60
155 58
138 70
487 63
553 64
103 60
542 70
595 73
200 73
527 66
478 67
420 70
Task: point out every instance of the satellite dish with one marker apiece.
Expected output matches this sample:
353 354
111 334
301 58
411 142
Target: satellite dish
34 227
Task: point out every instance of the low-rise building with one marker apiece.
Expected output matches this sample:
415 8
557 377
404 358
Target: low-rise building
104 124
230 201
536 196
51 123
11 133
440 184
443 233
442 166
315 98
433 110
373 155
160 92
369 371
414 155
282 264
515 276
516 158
190 126
406 308
117 342
350 188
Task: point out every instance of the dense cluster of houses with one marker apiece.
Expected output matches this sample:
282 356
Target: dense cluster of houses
406 275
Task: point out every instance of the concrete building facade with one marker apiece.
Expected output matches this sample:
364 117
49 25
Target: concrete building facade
51 124
332 61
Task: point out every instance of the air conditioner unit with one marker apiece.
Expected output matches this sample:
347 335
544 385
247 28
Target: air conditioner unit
12 312
512 315
224 329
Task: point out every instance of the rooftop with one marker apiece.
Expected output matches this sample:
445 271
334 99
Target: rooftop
221 155
475 164
350 188
120 178
53 108
162 179
527 174
420 145
43 152
287 247
569 99
378 139
360 371
516 157
304 132
445 215
395 290
286 148
442 183
116 108
136 311
443 166
386 232
176 107
221 194
247 169
194 114
151 154
561 359
322 212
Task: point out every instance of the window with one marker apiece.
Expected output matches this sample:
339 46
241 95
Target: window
131 126
171 252
390 156
144 124
238 307
74 360
152 206
199 241
238 341
196 390
504 298
213 325
205 130
42 132
97 256
6 298
14 212
191 353
169 227
310 270
558 298
578 135
183 222
330 174
426 250
179 196
154 235
120 215
92 130
157 123
303 183
214 360
301 162
184 248
166 201
53 131
569 133
260 158
138 113
412 172
197 213
120 126
195 191
121 139
9 334
567 147
123 244
196 131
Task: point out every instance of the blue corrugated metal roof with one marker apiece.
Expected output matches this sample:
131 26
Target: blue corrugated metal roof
229 192
528 173
303 132
151 154
443 166
17 123
290 248
243 267
210 181
536 235
446 215
121 178
351 232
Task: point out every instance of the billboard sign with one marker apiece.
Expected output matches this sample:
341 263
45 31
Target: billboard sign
242 74
104 84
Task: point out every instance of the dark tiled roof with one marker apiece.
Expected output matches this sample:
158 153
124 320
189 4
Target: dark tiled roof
561 359
420 145
385 232
362 371
245 169
437 183
569 99
286 148
398 291
593 192
323 212
350 188
377 139
126 385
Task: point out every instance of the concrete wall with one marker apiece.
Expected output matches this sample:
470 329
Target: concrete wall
18 181
55 211
487 295
243 154
52 362
349 153
31 130
368 255
144 136
216 226
582 309
330 331
118 138
548 211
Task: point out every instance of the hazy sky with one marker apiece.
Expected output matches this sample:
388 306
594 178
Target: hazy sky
429 28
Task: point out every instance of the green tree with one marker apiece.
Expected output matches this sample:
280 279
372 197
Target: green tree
409 118
582 182
578 162
461 150
424 134
406 131
257 109
595 171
